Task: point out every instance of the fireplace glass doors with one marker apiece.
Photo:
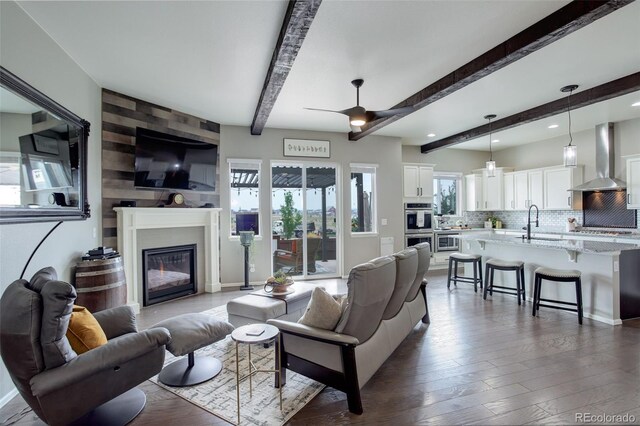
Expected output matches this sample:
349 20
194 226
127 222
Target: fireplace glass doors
168 273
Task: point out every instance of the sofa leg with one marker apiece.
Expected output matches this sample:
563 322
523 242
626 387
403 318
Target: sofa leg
352 387
423 287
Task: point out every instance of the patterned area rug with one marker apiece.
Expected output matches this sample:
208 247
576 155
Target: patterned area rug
218 395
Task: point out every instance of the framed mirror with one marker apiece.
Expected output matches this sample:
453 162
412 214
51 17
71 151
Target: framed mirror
43 156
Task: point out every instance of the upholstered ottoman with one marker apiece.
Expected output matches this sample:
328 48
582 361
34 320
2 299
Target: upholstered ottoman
260 306
190 332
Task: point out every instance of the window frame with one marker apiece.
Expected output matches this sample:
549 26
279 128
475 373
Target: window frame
258 164
458 178
374 204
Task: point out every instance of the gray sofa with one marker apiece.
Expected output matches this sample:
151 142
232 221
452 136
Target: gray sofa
60 385
386 299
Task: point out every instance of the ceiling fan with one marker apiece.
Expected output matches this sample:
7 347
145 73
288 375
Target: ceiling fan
358 116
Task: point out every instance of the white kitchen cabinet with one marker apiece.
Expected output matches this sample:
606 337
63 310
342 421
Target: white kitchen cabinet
418 182
492 190
473 192
509 194
633 182
557 183
521 190
536 188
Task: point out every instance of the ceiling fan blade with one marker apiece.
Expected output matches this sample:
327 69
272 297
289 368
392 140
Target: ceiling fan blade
330 110
390 112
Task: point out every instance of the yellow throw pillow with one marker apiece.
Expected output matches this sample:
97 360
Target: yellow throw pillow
84 332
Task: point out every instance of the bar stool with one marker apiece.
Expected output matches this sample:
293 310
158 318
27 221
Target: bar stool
557 275
476 259
504 265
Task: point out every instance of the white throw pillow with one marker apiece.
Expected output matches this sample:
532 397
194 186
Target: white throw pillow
323 311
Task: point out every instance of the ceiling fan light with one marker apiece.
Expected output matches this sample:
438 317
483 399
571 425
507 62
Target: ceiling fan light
357 121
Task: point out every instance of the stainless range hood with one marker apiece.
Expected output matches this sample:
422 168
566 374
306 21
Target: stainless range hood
605 163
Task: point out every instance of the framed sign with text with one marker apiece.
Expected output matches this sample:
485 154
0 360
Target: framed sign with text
306 148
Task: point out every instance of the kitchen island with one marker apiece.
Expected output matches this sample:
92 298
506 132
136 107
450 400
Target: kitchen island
610 270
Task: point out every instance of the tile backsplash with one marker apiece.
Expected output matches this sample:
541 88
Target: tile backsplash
518 219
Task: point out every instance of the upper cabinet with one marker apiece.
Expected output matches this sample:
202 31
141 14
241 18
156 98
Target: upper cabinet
535 180
473 193
492 190
418 182
633 182
557 184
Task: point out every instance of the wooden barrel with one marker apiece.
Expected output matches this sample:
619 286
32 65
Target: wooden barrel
100 284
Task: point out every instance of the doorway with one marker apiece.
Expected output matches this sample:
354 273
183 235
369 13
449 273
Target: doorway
305 219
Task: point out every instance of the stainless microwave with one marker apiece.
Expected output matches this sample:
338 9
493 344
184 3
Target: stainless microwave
413 239
418 218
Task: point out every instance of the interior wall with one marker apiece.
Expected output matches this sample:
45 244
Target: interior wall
28 52
238 143
549 152
121 115
446 159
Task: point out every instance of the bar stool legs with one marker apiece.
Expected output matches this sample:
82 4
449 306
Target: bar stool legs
503 265
557 275
452 274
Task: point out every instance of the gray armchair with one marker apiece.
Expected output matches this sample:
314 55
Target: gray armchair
60 385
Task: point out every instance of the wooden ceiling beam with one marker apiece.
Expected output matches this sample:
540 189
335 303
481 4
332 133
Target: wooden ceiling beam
612 89
564 21
297 20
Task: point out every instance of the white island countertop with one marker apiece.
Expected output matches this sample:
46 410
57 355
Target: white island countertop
565 243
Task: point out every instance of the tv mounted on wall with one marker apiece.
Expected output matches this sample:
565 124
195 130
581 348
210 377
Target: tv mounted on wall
165 161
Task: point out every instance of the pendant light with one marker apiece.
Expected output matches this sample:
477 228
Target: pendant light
490 165
570 154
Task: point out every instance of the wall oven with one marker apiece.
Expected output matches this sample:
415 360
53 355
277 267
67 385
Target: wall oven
447 241
413 239
418 218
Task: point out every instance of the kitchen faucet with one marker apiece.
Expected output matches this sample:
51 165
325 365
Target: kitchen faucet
529 221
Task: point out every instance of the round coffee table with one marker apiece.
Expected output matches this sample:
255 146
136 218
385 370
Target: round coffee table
250 334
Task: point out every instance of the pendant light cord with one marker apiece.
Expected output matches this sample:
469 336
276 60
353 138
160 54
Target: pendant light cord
569 113
490 148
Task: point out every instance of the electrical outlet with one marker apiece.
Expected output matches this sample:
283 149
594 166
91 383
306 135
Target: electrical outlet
94 232
252 267
383 222
616 266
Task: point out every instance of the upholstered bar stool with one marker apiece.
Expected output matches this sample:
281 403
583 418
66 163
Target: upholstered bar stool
504 265
456 258
557 275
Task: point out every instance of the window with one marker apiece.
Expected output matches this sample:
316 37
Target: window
363 198
244 195
446 193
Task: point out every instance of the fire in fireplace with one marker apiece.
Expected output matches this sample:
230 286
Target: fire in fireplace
168 273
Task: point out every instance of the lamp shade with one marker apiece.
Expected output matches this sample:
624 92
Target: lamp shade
491 168
570 156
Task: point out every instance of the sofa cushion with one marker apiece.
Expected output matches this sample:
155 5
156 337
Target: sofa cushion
84 332
323 311
57 304
424 260
406 267
370 286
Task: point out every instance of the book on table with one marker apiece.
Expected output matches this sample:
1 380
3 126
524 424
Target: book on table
255 331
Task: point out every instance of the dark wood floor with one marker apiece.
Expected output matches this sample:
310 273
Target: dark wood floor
478 362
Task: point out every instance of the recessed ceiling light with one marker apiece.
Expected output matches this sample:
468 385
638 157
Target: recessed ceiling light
635 104
431 135
553 126
495 141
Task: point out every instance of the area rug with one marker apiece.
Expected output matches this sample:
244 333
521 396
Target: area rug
218 395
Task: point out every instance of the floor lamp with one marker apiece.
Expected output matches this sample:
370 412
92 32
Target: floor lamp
246 238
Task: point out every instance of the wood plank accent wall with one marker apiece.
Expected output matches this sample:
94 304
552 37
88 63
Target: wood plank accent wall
121 114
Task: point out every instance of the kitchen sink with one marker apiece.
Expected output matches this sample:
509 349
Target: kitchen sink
542 238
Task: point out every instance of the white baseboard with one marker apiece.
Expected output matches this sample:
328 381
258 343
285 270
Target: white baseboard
8 397
591 316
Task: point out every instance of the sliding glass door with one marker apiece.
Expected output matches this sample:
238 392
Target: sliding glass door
304 219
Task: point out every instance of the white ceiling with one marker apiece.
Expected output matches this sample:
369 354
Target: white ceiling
210 58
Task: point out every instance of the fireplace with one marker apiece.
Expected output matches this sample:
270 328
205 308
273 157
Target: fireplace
168 273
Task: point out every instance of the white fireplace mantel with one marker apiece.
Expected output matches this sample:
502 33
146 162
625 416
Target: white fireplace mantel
132 219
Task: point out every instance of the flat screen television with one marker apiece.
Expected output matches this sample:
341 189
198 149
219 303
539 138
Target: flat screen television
46 161
165 161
